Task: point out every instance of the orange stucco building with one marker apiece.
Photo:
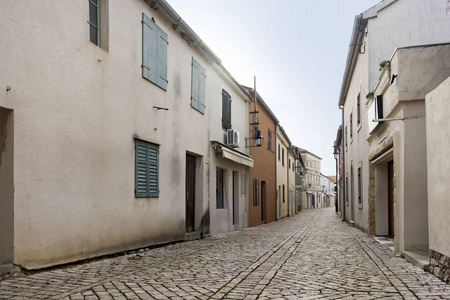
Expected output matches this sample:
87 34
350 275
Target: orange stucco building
262 177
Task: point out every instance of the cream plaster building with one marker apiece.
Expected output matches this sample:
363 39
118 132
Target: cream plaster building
282 160
312 179
111 136
385 166
437 105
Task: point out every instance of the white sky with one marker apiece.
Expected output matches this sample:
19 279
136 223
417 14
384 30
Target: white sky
297 50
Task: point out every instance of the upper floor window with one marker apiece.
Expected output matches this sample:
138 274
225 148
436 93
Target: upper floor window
279 150
97 22
351 126
282 157
198 86
358 113
269 139
154 53
226 110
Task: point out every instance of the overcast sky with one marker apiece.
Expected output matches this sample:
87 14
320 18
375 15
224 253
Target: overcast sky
297 50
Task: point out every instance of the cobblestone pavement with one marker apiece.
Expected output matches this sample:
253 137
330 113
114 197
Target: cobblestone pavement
312 255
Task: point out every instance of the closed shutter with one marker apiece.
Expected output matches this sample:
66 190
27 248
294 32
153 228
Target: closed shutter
198 86
146 166
154 53
226 110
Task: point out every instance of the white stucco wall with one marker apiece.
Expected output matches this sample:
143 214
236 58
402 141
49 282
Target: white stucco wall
438 143
222 219
282 175
77 109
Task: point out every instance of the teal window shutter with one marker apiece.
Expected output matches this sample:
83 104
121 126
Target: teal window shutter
198 86
146 170
154 53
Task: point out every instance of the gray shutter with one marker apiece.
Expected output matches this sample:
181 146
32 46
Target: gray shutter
226 110
148 49
198 86
161 69
146 170
141 174
153 170
154 52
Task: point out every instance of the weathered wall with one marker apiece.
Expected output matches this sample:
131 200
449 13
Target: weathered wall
438 143
282 207
77 111
263 170
222 218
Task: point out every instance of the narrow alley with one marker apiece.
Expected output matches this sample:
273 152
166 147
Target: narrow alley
313 255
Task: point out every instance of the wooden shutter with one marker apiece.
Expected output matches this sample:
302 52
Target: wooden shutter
154 53
255 191
146 170
198 86
161 67
226 110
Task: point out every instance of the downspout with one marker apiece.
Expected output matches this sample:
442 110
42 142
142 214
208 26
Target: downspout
276 177
343 166
287 171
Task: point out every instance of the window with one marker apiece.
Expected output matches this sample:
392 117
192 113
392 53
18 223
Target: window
154 53
346 136
198 86
146 169
284 192
220 201
351 126
359 186
226 110
93 21
97 22
282 157
255 191
346 188
269 139
279 150
358 113
243 184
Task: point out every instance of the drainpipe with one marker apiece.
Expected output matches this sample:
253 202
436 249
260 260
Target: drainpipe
343 165
276 182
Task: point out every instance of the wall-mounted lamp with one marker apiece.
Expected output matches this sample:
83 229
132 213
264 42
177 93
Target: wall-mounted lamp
258 138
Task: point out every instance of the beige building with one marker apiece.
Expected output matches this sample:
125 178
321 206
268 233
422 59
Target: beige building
437 104
111 132
282 160
386 78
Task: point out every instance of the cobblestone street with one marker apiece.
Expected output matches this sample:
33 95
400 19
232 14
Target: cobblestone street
313 255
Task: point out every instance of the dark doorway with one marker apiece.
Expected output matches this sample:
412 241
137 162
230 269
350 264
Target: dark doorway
263 202
190 193
6 189
391 198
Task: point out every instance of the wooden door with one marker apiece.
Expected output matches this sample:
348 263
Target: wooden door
190 193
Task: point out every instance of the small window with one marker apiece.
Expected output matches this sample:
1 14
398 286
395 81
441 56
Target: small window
154 53
358 104
97 22
226 110
243 184
93 21
284 192
346 136
198 86
269 139
346 188
255 192
146 170
282 157
279 150
359 186
220 201
351 126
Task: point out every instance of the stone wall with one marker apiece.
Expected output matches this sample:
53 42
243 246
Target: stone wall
440 265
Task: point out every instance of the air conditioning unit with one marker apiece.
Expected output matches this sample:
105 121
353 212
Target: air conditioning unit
232 138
